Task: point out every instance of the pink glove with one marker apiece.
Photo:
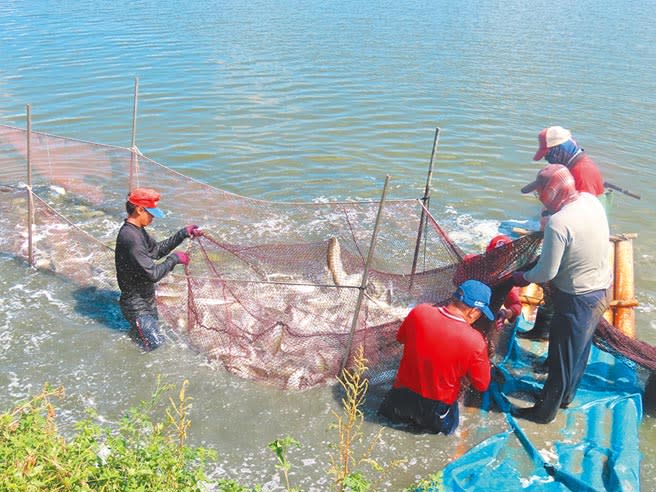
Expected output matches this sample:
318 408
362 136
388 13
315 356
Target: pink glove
519 280
182 257
193 231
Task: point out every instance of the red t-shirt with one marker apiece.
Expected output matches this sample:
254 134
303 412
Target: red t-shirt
440 349
587 176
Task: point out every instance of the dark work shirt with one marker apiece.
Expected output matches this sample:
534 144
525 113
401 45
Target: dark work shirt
136 270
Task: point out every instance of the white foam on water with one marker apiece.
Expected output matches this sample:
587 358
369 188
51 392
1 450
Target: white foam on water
33 345
17 388
6 337
470 234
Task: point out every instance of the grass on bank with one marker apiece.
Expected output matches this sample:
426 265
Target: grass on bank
143 454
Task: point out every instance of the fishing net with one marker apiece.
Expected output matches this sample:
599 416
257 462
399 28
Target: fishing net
276 292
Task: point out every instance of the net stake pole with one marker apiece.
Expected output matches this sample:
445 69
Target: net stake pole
426 200
133 141
30 200
365 275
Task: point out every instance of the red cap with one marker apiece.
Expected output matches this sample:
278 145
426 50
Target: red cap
497 242
146 198
546 174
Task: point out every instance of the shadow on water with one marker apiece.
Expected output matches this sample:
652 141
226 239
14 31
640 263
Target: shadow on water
649 396
101 305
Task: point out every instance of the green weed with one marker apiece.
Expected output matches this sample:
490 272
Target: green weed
140 455
347 465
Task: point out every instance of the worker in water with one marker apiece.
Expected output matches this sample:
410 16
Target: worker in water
440 349
136 269
574 259
512 304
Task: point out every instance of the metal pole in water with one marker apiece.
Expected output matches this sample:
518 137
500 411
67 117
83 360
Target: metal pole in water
30 202
426 200
365 275
133 142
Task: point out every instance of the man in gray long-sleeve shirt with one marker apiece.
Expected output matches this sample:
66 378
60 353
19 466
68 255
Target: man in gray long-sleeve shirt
575 259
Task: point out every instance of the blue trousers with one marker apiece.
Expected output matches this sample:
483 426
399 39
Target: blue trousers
570 340
146 332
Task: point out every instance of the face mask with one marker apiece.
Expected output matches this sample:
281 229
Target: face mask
561 154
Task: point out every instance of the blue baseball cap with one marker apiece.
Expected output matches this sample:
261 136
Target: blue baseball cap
477 295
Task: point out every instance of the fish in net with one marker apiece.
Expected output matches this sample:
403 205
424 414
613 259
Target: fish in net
275 291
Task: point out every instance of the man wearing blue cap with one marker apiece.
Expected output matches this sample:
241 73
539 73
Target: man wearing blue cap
136 270
440 348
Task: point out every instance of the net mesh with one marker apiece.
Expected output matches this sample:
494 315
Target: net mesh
274 291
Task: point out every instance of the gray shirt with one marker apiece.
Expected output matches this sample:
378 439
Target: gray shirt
575 248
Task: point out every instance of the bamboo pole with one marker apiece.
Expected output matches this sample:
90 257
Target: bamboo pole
30 199
426 200
624 290
365 275
609 315
134 162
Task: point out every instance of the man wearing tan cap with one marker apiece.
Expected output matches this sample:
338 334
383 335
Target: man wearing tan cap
557 146
136 270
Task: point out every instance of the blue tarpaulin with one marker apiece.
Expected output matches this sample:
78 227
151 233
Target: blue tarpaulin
591 446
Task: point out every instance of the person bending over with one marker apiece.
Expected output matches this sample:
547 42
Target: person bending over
440 349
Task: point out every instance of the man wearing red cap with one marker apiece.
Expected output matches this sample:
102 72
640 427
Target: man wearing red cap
136 270
574 259
440 349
